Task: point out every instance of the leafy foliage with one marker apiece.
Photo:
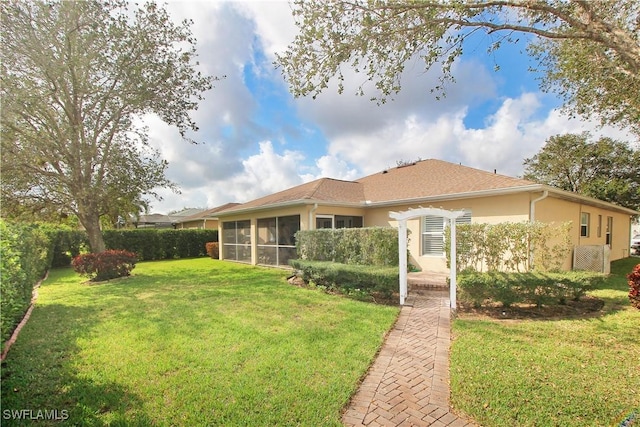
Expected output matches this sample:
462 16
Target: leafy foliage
532 288
590 50
366 246
349 278
213 249
106 265
605 169
634 286
76 76
517 247
24 260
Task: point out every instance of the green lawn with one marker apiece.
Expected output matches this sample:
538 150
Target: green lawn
572 372
191 342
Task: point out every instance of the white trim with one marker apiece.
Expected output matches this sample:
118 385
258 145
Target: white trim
402 218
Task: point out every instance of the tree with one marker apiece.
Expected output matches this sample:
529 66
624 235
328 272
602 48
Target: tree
589 49
605 169
76 76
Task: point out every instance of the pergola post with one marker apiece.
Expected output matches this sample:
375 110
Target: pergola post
453 267
402 243
402 218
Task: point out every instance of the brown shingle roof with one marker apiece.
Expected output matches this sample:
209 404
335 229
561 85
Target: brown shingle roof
209 212
327 190
422 179
432 178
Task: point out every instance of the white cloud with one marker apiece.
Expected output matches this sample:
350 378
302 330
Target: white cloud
238 160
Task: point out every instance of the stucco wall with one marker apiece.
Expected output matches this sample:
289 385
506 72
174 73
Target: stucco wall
558 210
492 210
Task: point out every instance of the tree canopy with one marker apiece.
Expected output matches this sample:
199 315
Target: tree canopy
76 77
588 50
605 168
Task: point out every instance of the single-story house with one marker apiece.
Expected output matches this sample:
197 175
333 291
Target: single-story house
262 231
206 219
171 220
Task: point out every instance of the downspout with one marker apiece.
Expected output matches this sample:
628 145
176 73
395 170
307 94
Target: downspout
311 212
532 219
532 210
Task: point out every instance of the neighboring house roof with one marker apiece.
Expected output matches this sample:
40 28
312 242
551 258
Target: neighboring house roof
207 214
167 220
419 182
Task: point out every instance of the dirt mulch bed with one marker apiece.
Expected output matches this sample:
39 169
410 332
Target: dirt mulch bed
586 307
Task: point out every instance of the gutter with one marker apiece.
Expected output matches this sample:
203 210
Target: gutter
456 196
313 209
532 209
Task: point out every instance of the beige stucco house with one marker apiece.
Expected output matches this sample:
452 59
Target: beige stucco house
262 230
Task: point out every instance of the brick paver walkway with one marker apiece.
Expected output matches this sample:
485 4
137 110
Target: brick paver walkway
408 384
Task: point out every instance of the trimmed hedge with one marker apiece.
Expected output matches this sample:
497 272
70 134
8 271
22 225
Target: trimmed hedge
24 259
365 246
348 277
151 244
531 288
147 244
510 246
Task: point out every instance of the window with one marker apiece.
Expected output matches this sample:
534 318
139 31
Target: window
433 233
276 239
609 232
324 221
599 225
584 224
338 221
348 221
236 240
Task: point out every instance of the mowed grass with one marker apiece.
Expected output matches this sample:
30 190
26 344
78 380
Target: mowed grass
571 372
191 342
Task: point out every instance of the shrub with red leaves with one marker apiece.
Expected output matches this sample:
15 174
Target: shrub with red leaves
634 286
105 265
212 249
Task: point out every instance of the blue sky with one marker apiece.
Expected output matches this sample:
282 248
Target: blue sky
257 139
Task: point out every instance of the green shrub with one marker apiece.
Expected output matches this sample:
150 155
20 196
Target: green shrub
213 249
349 278
24 259
66 244
365 246
537 288
156 244
106 265
513 247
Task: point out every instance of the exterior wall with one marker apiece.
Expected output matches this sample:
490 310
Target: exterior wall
302 210
209 224
558 210
492 210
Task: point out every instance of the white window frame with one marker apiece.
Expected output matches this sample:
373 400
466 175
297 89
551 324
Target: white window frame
586 226
438 232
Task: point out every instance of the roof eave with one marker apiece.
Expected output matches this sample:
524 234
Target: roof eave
290 203
456 196
568 195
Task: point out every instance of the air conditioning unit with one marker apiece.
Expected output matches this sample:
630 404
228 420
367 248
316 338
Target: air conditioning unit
592 258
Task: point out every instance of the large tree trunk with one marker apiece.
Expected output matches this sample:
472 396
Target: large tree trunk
91 223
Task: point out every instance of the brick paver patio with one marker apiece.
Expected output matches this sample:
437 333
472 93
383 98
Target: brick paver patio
408 384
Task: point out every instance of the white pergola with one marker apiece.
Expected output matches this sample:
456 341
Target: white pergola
402 218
